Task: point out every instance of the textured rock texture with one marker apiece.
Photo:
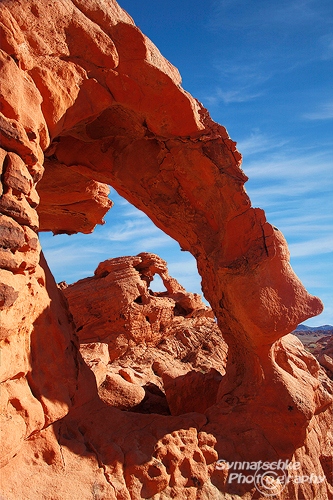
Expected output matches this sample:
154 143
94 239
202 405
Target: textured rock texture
318 341
78 211
136 314
88 99
325 357
164 350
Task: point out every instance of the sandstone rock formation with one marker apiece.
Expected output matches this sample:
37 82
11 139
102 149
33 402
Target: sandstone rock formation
170 337
137 315
318 341
79 211
88 99
325 357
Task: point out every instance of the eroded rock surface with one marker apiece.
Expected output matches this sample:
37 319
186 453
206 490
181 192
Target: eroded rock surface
88 98
116 306
80 211
165 351
325 357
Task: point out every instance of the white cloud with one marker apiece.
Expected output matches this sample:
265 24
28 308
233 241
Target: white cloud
236 14
186 266
157 284
133 212
303 221
316 246
129 230
229 96
301 229
158 241
66 253
295 12
324 112
291 164
243 73
277 195
295 193
258 143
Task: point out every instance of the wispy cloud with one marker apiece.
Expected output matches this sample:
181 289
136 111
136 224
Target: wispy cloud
316 246
307 218
132 212
265 14
71 258
291 183
304 223
291 164
324 112
135 234
258 142
240 81
185 270
231 96
296 12
278 38
243 73
161 240
129 230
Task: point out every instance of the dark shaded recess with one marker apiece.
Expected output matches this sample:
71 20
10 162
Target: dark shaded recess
154 401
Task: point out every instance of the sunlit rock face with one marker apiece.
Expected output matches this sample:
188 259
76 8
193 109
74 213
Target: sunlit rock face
88 101
116 306
151 352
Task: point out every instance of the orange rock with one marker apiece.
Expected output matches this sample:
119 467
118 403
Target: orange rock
325 357
79 212
137 315
169 323
116 391
96 356
84 88
180 394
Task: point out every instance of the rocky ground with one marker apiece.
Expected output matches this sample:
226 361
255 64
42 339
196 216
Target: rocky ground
318 341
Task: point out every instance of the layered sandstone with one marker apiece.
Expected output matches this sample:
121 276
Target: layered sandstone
88 99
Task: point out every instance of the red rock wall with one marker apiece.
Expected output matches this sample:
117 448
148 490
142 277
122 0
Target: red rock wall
87 97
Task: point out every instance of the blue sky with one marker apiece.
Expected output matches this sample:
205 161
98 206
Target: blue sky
264 69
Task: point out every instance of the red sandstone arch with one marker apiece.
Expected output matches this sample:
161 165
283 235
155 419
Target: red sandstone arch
87 97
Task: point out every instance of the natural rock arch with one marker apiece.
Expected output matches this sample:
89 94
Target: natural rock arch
90 100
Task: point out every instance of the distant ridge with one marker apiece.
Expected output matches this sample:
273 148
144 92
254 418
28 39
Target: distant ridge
305 328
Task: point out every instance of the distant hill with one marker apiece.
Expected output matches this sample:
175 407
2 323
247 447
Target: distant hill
323 328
